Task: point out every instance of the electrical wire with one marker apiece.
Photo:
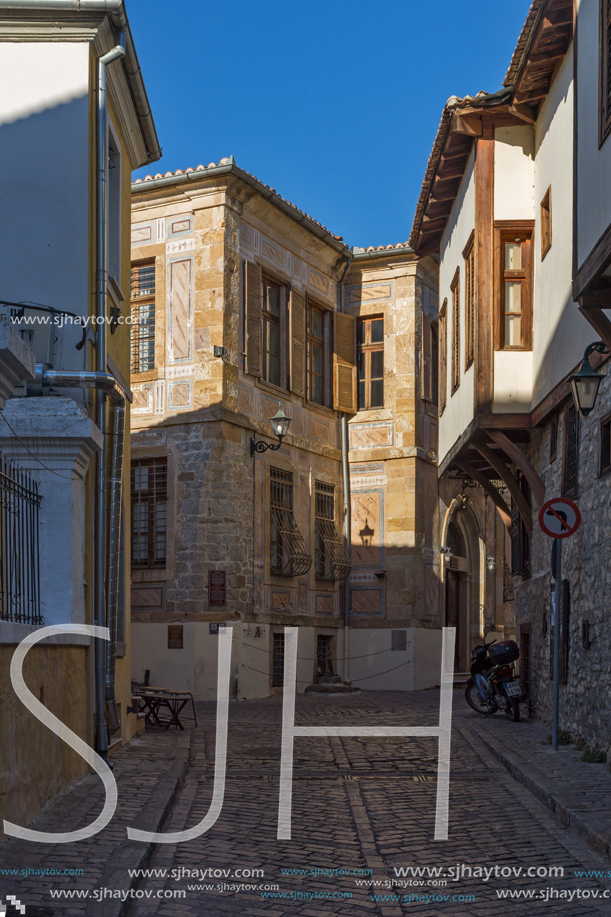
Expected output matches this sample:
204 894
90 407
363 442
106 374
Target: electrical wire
307 658
64 477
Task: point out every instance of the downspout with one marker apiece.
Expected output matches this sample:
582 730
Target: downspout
346 482
100 535
105 385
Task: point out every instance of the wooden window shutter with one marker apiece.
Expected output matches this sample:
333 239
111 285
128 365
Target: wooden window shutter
254 306
344 362
427 373
443 357
298 343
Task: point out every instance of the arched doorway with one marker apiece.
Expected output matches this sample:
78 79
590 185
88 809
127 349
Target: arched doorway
463 576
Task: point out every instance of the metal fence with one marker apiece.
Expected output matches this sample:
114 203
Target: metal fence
19 546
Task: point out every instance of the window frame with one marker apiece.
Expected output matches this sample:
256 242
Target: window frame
280 322
325 343
443 357
366 348
604 72
470 300
546 222
136 303
153 497
570 486
455 290
504 229
604 469
331 561
291 549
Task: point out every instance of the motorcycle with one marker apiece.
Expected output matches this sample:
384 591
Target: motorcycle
493 684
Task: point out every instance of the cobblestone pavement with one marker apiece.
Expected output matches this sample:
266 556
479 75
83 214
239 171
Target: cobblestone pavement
358 804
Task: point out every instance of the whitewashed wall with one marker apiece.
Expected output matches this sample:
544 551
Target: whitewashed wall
593 164
44 177
459 407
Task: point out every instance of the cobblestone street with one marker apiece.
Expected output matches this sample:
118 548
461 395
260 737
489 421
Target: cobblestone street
358 804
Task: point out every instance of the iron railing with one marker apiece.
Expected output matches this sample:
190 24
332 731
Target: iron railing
19 546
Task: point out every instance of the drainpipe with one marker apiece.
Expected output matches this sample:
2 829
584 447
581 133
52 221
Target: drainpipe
105 385
100 534
346 481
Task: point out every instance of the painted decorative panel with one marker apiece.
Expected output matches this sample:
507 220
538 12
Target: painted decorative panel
148 598
272 253
318 281
324 604
180 394
303 598
148 438
180 312
369 435
366 603
179 226
369 292
281 599
142 233
143 399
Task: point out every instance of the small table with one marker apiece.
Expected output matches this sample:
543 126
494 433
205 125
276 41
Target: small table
155 700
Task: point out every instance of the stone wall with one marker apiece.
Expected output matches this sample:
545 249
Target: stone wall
585 700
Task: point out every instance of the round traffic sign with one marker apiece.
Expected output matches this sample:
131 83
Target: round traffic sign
559 517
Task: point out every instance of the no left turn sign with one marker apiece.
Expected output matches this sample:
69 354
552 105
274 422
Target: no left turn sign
559 518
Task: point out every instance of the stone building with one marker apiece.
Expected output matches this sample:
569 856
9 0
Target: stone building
241 302
523 235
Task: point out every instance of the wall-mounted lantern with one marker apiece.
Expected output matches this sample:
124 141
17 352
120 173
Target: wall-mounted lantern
586 381
280 424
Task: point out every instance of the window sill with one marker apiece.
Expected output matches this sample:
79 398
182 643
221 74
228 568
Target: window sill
273 389
12 632
151 375
321 409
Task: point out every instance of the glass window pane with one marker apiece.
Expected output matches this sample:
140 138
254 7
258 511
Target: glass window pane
361 365
377 394
377 331
377 364
317 323
272 299
513 256
272 337
361 395
317 393
317 359
513 297
360 331
513 331
272 369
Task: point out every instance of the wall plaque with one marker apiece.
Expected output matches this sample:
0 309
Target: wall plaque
175 636
217 592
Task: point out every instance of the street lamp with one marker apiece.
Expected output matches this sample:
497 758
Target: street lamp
586 381
280 425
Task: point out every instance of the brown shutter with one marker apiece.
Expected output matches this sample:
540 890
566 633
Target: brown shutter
344 362
254 306
298 343
427 375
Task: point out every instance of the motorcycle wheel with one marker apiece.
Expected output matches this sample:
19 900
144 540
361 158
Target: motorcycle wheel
512 709
474 700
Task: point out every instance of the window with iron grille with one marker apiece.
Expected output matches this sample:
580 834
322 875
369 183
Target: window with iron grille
570 469
149 512
143 317
605 71
520 539
278 661
19 546
324 655
332 562
370 357
289 555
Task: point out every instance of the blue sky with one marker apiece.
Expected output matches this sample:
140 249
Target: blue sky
335 105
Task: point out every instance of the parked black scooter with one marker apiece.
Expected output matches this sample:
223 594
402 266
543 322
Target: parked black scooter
494 684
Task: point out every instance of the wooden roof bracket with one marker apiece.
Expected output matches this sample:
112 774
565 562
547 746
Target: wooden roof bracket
521 461
489 488
504 472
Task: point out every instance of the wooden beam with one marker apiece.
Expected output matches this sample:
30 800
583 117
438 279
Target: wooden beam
505 474
490 489
524 112
599 322
484 284
465 124
516 455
